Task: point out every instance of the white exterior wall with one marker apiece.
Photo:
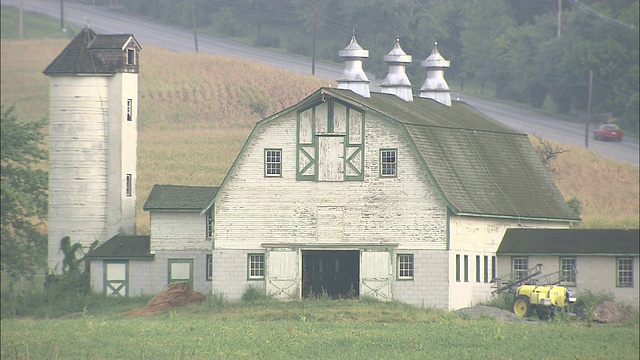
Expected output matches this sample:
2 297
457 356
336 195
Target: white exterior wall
430 284
596 273
78 158
178 231
479 237
230 275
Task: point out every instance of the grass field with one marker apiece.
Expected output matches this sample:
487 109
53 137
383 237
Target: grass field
310 329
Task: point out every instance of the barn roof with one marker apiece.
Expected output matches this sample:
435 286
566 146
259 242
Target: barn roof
123 247
179 198
81 55
479 166
570 241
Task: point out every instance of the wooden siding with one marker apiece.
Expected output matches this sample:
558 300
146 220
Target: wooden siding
252 210
178 231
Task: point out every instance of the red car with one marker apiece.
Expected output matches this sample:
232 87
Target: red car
608 132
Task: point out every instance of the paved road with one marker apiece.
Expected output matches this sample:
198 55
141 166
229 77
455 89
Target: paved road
105 21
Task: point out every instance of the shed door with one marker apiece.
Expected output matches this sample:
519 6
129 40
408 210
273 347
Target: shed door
283 273
116 279
375 274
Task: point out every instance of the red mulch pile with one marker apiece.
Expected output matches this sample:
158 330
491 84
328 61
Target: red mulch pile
177 294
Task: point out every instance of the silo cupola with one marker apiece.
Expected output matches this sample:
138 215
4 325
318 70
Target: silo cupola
435 86
353 76
397 82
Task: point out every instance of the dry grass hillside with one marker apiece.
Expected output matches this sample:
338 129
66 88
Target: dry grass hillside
196 112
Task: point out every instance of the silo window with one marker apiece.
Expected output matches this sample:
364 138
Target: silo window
128 185
131 56
129 109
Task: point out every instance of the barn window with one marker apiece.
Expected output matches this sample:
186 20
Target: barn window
256 266
478 268
131 56
625 272
129 109
209 267
128 185
457 267
209 224
567 271
388 162
405 267
273 162
520 267
466 268
486 269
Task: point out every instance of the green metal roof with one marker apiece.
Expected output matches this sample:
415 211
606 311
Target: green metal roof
179 198
82 56
123 247
570 241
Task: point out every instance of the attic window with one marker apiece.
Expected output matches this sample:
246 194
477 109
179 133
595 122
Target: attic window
272 162
388 163
131 57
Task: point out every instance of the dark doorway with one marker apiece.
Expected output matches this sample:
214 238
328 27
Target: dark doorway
334 273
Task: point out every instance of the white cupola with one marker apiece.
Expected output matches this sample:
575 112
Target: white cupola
435 86
397 82
353 76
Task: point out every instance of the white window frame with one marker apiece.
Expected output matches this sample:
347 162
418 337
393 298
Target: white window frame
405 266
255 266
273 162
131 57
517 270
388 162
567 267
624 272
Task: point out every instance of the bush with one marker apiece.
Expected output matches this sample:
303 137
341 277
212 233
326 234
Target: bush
268 41
255 294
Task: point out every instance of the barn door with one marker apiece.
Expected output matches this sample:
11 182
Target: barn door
181 270
283 271
375 274
116 278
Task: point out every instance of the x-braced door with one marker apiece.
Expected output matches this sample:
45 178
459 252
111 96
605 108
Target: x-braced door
116 278
283 273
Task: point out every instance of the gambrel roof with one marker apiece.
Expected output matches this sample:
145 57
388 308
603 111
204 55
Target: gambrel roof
570 242
479 166
179 198
84 54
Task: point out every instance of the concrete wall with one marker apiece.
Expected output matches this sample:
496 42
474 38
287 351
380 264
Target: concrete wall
430 285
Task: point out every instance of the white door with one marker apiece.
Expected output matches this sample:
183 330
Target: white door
116 279
282 273
181 270
375 274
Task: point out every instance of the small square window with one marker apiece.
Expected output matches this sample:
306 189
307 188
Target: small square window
273 162
256 266
131 56
209 267
128 185
405 267
388 163
625 272
129 110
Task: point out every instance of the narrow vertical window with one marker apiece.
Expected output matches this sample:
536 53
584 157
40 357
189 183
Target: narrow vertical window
131 56
405 267
129 110
272 162
478 268
486 269
567 271
493 267
466 268
457 267
520 267
209 225
388 163
128 185
625 272
256 266
209 267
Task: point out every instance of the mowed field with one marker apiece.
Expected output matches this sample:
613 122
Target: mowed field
196 112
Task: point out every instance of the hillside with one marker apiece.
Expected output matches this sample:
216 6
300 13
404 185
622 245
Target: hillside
196 112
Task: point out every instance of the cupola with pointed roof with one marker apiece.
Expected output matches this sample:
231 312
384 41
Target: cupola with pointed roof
435 86
353 76
397 82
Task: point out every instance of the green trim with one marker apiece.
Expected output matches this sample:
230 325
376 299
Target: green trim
395 173
413 268
330 119
575 276
466 268
178 261
447 229
279 175
124 285
519 218
457 267
478 271
264 266
617 267
486 269
494 264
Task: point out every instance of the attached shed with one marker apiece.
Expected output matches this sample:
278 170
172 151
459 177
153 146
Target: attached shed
606 260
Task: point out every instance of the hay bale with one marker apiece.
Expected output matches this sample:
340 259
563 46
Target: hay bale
177 294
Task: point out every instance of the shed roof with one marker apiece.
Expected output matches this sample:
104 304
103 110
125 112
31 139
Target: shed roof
480 166
123 247
179 198
79 57
569 241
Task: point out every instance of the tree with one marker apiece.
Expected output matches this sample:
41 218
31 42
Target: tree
24 201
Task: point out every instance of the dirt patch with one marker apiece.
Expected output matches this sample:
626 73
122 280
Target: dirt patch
609 312
488 311
177 294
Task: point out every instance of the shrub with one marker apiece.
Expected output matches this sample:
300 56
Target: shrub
254 294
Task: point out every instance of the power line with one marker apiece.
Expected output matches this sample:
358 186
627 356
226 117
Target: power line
580 6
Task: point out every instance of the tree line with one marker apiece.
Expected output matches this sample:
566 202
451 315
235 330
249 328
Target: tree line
517 50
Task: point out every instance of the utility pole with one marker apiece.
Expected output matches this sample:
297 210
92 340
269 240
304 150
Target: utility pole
586 124
21 20
193 20
62 15
313 53
559 18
